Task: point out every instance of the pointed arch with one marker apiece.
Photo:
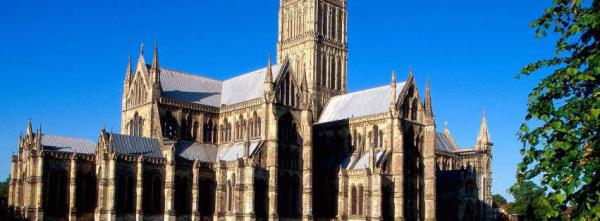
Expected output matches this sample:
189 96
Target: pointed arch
360 204
353 201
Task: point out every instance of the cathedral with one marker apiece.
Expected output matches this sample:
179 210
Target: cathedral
284 142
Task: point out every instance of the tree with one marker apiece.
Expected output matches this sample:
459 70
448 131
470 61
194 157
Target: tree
560 134
498 200
530 201
4 189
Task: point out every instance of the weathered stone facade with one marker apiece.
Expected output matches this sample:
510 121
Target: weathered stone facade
283 142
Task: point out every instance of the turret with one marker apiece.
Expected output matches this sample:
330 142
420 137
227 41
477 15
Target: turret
127 82
155 73
484 141
306 101
428 107
29 130
128 74
269 93
141 56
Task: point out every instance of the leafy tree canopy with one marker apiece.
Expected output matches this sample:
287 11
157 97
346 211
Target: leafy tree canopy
530 201
560 134
498 200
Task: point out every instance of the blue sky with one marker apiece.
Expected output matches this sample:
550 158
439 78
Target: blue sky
62 63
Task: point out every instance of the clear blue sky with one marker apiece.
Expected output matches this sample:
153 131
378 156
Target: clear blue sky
62 63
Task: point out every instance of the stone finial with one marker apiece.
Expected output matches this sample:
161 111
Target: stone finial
141 56
128 75
393 86
155 64
29 128
428 106
269 75
483 138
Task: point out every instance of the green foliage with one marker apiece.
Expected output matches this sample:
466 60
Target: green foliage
4 189
530 201
560 134
498 200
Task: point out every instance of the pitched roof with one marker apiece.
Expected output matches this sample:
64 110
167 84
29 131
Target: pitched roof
134 145
444 142
196 151
359 103
246 86
234 151
196 89
363 161
68 144
190 88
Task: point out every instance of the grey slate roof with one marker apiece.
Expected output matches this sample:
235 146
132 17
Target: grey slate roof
444 143
234 151
359 103
363 161
196 89
190 88
246 86
133 145
196 151
68 144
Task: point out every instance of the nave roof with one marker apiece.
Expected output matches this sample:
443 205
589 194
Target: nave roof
360 103
67 144
197 89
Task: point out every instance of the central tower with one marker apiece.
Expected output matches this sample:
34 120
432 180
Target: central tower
312 36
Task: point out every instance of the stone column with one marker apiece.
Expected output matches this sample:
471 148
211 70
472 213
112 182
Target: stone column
342 213
72 188
100 171
374 197
220 180
429 173
307 213
195 177
397 166
248 190
111 214
38 182
18 183
139 189
12 183
272 164
169 212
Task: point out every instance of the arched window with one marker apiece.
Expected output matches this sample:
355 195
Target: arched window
229 193
415 110
251 128
125 194
85 197
359 142
169 126
360 200
206 198
353 200
244 129
258 127
213 136
286 129
195 131
380 138
136 125
376 136
222 133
